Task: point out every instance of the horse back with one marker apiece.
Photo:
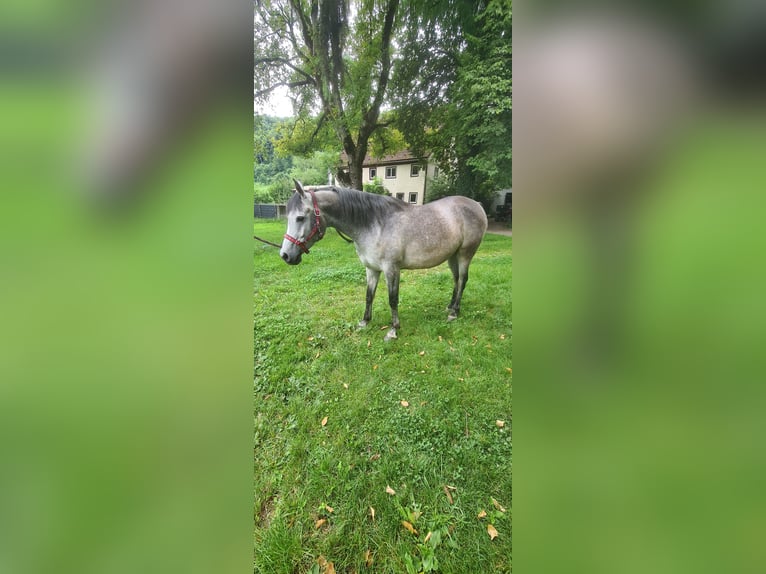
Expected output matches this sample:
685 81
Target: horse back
428 235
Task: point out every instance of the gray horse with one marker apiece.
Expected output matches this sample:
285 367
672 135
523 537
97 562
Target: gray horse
389 235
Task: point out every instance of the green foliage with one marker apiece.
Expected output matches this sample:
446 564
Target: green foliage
387 140
274 171
335 57
452 82
453 92
376 186
438 187
451 184
304 135
269 166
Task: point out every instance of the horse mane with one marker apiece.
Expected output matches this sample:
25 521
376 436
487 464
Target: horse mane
361 207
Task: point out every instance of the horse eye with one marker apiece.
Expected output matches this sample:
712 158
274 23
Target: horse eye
300 218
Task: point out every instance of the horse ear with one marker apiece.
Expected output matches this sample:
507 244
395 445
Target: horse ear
298 186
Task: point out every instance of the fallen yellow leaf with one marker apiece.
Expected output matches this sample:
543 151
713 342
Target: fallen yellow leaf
319 523
498 505
491 531
390 490
481 514
404 403
409 527
367 558
509 369
329 509
440 338
345 385
421 353
375 456
324 421
500 424
369 343
330 568
428 536
322 561
372 513
449 496
502 337
375 367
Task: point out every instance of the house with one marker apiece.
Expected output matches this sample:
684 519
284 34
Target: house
402 174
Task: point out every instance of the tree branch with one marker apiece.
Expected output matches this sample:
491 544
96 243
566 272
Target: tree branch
385 53
279 60
304 24
266 91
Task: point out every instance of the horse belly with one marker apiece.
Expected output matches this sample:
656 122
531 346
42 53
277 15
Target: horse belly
422 254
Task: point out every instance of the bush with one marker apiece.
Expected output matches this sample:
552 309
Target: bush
262 194
376 186
440 186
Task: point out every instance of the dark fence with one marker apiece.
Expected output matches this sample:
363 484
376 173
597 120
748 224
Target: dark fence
269 211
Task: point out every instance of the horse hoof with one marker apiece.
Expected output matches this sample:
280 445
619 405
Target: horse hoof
361 324
451 317
390 336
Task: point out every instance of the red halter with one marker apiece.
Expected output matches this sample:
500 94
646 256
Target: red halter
316 229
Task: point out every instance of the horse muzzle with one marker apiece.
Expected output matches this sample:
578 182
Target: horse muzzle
291 259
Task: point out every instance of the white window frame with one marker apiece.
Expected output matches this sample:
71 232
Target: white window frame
414 170
373 173
392 170
414 194
400 196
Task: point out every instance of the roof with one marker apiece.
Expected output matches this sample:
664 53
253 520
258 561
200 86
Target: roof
403 156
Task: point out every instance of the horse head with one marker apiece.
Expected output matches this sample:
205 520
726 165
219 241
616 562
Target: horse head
304 225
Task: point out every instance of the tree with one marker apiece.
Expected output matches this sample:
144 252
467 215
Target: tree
276 165
335 57
455 79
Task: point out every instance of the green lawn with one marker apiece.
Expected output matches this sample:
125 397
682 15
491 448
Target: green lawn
340 416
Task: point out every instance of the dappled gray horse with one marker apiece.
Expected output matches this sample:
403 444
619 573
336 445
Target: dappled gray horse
389 235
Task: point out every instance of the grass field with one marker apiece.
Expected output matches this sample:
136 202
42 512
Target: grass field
372 456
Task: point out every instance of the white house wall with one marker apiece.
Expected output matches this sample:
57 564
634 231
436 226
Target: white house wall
403 182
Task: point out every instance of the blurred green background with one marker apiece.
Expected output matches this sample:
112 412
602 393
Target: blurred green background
125 332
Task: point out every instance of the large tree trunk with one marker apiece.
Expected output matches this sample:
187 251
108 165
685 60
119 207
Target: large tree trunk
355 173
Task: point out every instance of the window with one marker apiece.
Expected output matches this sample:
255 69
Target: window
391 172
414 170
373 172
436 171
413 197
400 196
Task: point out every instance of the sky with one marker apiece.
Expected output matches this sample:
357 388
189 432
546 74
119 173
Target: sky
279 104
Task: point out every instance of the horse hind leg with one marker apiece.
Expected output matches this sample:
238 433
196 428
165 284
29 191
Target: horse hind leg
461 262
454 267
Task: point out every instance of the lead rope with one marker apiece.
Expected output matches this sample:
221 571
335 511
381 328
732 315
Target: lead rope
266 242
346 239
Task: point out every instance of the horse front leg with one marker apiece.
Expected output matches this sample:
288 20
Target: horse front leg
372 285
392 279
